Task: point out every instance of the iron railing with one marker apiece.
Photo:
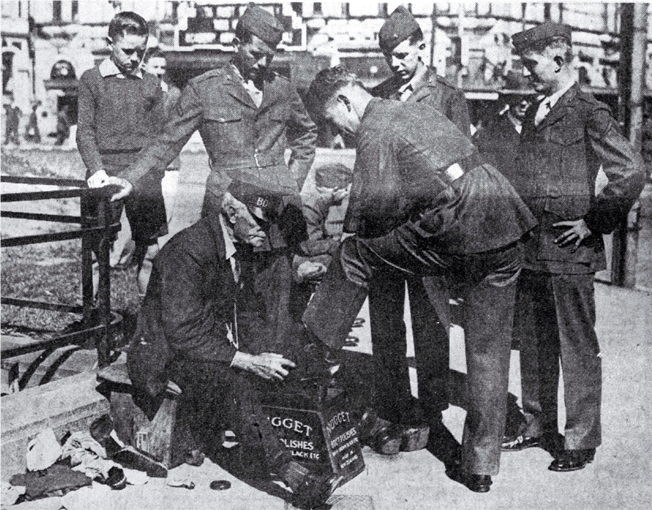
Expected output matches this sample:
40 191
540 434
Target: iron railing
96 231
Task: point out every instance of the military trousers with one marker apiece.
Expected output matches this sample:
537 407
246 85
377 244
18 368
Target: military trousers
394 400
488 281
562 310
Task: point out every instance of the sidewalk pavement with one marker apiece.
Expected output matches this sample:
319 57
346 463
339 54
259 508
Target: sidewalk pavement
618 479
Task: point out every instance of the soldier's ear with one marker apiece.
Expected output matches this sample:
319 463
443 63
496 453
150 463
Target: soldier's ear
559 60
344 100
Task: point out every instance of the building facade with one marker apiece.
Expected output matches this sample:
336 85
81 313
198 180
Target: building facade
48 44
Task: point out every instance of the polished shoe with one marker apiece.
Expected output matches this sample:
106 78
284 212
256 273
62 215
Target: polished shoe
382 436
572 460
414 438
475 483
518 443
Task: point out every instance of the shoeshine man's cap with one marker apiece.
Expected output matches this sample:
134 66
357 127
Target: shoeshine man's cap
399 26
261 204
262 24
523 40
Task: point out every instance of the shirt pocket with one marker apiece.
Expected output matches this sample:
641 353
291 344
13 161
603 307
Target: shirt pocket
225 127
223 116
567 133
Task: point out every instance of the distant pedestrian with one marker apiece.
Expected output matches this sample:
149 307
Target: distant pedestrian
32 131
63 126
120 112
324 210
12 115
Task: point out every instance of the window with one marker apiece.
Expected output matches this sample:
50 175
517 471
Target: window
75 10
56 10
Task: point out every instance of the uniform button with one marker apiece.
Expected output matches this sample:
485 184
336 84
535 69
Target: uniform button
221 119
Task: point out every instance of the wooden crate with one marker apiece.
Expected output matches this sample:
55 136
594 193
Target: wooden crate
156 430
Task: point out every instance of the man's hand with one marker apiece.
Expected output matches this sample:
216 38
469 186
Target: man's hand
267 365
312 272
98 179
577 232
126 186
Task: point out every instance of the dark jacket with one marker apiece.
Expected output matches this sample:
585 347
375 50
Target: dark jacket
558 163
498 142
436 92
188 305
403 152
244 143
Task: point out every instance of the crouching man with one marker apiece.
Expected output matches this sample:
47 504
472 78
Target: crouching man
447 213
188 333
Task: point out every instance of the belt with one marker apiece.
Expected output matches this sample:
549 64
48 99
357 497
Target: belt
256 160
120 151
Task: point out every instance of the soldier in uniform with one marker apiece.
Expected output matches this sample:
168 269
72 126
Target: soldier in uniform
566 137
247 116
447 213
401 40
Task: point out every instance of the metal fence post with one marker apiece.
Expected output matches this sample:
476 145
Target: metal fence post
104 218
87 259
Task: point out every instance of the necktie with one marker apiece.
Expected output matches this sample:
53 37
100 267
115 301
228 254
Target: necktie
543 110
403 93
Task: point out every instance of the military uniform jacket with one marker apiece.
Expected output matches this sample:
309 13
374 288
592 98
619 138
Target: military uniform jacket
557 166
437 93
244 143
403 152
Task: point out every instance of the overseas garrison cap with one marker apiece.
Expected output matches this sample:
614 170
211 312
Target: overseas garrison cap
262 24
523 40
399 26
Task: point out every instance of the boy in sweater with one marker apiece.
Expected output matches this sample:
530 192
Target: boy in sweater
120 111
